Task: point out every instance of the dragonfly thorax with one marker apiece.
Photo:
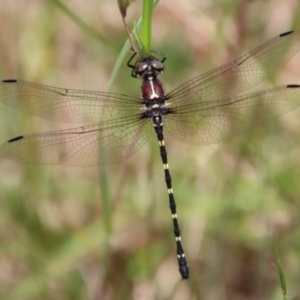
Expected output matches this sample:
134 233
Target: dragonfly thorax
152 90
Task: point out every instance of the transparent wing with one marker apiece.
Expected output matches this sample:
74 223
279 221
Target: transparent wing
239 75
96 144
212 121
65 105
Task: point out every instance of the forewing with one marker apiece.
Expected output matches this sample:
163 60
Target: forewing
239 75
212 121
65 105
96 144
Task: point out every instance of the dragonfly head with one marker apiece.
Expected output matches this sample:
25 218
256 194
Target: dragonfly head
148 67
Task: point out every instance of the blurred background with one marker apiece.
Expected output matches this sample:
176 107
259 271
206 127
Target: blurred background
94 233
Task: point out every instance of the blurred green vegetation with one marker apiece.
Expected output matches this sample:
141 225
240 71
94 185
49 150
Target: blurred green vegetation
58 240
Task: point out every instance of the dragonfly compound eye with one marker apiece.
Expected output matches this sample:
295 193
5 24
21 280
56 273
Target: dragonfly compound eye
157 65
141 68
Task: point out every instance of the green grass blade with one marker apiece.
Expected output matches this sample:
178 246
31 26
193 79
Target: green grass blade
280 273
120 60
143 38
146 25
119 63
91 31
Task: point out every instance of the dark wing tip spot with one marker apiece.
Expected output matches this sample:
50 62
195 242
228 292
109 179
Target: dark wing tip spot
15 139
9 81
286 33
292 86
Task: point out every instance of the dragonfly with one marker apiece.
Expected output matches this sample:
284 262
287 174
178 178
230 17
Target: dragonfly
203 110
